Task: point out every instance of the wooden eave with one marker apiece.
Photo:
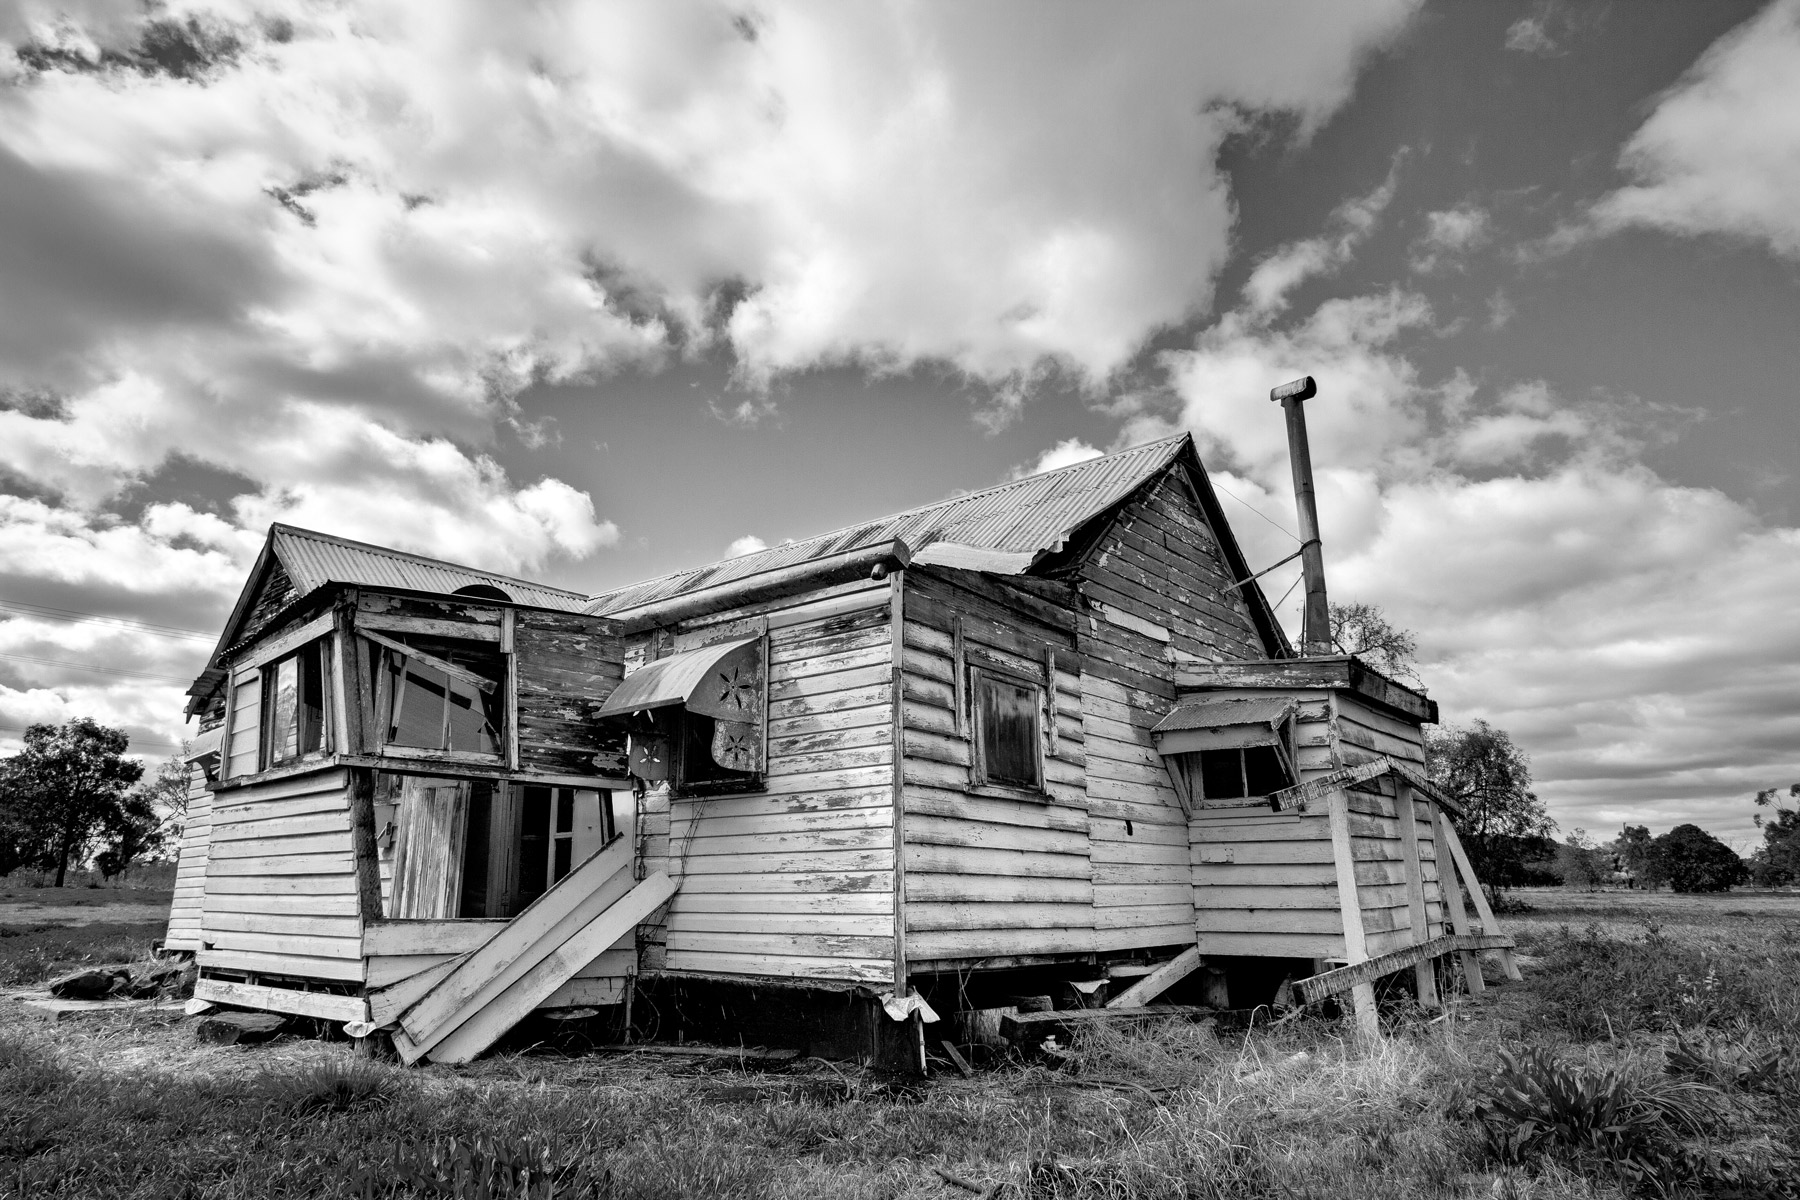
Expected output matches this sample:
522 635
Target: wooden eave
1343 672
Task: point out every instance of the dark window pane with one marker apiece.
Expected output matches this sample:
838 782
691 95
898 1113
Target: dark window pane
311 715
1263 766
284 731
476 849
1009 732
565 810
534 845
1221 774
609 827
565 849
697 767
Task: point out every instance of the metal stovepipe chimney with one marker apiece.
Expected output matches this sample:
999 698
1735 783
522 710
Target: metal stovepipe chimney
1315 631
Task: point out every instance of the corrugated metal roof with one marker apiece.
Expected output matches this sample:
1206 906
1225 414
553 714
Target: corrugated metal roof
1027 517
1217 712
316 559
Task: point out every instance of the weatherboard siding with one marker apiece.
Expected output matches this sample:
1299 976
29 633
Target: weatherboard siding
985 875
281 888
190 865
796 880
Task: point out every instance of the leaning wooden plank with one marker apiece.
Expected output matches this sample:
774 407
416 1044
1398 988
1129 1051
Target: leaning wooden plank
306 1004
1452 893
1424 971
1158 981
1350 904
386 1005
487 1024
1329 983
576 899
1301 795
1476 894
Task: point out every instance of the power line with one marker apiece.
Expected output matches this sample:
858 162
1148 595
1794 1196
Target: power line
57 662
1259 512
47 612
136 741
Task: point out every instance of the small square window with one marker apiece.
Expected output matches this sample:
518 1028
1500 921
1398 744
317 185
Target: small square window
1238 774
1008 743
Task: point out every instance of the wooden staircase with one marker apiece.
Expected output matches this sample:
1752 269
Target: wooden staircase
464 1006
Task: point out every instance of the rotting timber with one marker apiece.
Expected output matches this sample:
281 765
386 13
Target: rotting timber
1041 746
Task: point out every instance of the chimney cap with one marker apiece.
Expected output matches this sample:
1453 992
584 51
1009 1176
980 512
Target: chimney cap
1302 388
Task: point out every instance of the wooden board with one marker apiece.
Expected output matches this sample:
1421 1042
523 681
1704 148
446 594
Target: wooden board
272 999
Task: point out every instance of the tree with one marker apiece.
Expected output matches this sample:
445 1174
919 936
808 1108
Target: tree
1696 861
65 785
1581 863
1777 863
1638 850
1365 631
1484 771
151 816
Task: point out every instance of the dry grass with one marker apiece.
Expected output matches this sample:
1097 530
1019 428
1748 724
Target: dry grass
132 1107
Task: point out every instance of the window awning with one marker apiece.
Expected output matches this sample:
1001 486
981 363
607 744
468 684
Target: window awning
1223 723
723 681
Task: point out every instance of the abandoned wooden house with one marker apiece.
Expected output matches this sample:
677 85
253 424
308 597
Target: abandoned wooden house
1049 733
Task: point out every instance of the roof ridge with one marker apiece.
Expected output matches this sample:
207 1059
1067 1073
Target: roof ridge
390 552
1169 441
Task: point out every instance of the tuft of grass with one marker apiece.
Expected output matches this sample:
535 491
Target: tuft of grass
343 1085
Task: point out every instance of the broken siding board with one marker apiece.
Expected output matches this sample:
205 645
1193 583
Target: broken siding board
787 966
286 964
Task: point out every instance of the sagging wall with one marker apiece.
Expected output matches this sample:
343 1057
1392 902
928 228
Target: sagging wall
1266 883
989 877
190 866
796 880
281 880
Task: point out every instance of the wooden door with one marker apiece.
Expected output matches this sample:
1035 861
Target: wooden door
428 847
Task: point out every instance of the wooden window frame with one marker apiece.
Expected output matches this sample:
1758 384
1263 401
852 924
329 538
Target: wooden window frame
979 782
388 648
265 734
679 785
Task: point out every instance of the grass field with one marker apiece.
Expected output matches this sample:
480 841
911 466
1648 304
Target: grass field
1652 1043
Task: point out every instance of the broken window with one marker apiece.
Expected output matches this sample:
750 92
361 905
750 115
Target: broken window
1225 749
438 694
1008 742
294 715
1241 773
696 718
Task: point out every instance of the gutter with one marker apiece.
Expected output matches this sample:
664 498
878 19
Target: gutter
868 562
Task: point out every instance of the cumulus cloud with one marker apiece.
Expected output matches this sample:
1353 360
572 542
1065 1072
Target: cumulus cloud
1720 152
1528 35
748 544
1065 453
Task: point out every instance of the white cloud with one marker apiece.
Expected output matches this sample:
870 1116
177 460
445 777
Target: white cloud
748 544
1527 35
1720 153
1065 453
1286 267
1450 234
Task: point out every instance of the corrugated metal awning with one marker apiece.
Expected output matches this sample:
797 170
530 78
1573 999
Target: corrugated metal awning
204 744
675 680
1223 723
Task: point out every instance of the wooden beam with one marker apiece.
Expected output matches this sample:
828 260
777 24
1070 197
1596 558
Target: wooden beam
386 1005
1459 916
1329 983
468 631
1158 981
1425 971
306 1004
281 644
1482 907
1356 946
1300 795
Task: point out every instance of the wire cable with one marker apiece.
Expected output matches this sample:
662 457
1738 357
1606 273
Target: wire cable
47 612
57 662
1259 512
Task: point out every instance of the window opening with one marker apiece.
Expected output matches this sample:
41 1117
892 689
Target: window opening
1008 733
295 725
447 697
1238 774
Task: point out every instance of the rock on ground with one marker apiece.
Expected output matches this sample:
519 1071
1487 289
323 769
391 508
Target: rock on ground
239 1028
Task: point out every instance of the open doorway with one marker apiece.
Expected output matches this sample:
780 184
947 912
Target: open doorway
481 848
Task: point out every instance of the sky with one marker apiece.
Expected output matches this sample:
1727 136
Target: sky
588 293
